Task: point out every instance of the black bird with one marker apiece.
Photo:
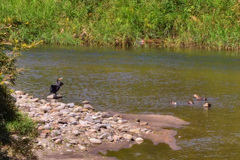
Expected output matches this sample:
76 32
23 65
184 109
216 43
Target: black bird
55 88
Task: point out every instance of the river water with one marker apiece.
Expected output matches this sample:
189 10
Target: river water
145 81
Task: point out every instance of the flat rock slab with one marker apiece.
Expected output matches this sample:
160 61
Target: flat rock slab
53 96
160 121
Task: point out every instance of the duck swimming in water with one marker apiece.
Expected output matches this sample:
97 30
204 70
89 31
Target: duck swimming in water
199 98
207 105
56 87
190 102
173 103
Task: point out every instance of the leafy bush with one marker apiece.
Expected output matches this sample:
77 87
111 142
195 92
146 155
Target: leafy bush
16 130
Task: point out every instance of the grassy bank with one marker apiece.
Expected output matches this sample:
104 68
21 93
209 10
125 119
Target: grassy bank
185 23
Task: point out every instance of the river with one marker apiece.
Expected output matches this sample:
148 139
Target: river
144 80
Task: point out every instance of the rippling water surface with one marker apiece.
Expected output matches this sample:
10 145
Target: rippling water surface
145 81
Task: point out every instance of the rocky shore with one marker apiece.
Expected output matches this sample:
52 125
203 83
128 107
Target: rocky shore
69 131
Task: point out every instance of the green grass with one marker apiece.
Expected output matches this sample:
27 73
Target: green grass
22 126
12 122
178 23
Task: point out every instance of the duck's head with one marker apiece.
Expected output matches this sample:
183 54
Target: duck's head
59 81
207 105
195 95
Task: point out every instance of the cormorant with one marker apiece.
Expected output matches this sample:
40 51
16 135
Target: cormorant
55 88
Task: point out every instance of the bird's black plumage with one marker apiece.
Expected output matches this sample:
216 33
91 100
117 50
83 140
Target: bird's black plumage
56 87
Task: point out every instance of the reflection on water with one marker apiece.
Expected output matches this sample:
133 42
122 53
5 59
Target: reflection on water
145 81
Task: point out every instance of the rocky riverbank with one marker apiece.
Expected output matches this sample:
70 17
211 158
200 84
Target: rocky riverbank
69 131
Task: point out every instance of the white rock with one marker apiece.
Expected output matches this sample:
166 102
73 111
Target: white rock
84 123
88 106
73 141
43 101
60 107
58 141
35 100
46 108
21 101
94 117
47 126
135 130
55 133
19 92
24 96
75 132
139 140
53 96
95 141
85 102
120 121
71 114
70 105
82 148
78 109
65 111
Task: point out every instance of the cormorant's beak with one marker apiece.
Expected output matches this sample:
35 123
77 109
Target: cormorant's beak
60 79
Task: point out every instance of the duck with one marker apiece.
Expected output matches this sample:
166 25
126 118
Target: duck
173 103
207 105
56 87
190 102
199 98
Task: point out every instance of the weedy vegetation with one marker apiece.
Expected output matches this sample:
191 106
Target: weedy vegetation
164 23
16 130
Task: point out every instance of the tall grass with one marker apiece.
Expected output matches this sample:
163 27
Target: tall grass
201 23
